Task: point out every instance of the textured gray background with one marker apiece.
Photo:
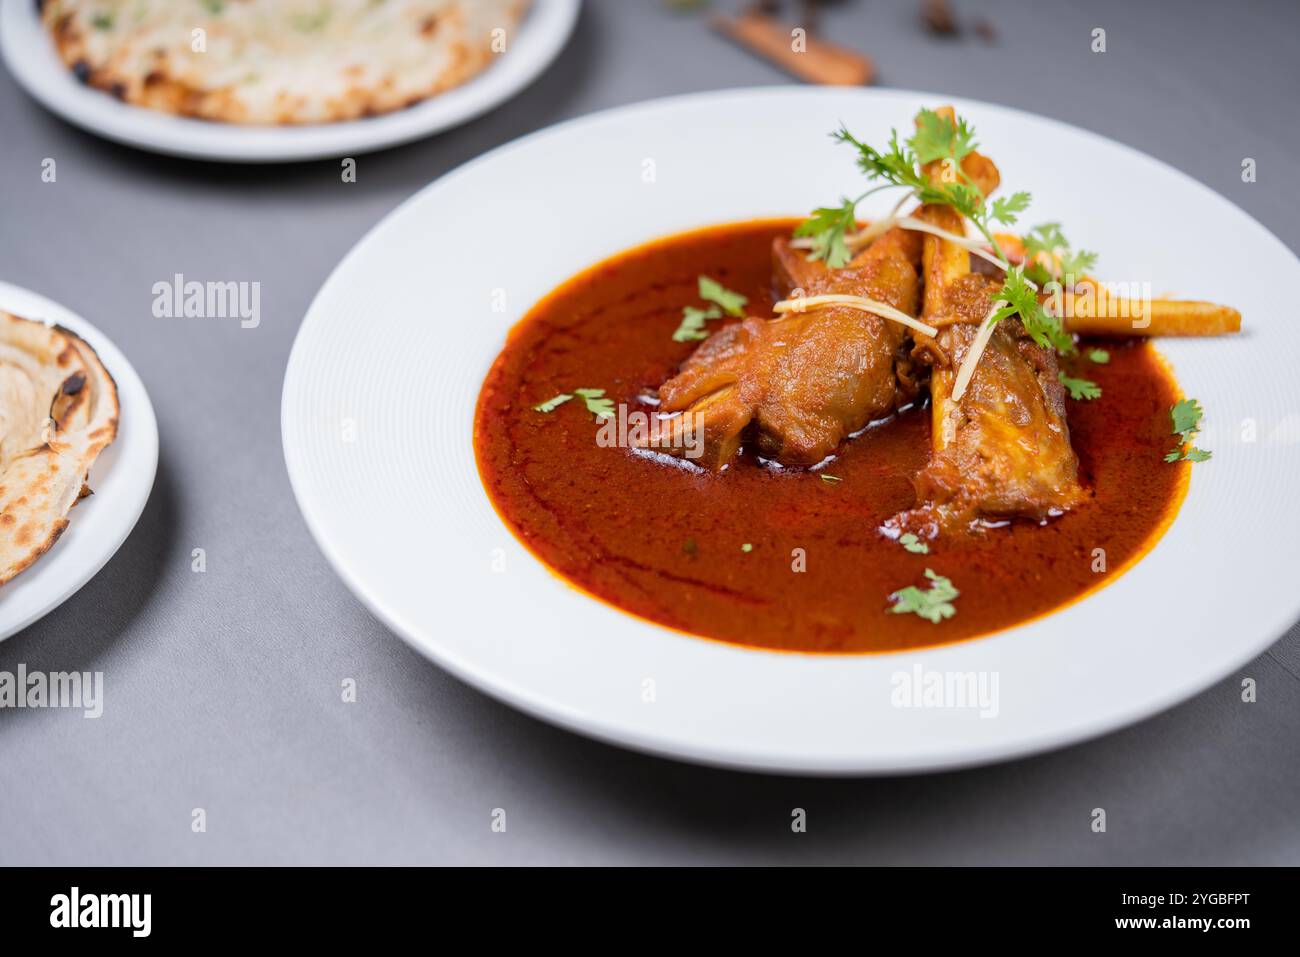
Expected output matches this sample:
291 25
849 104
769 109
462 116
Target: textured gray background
223 689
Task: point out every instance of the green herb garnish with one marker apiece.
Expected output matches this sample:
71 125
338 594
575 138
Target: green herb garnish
691 328
939 139
553 403
913 544
934 604
597 405
1099 356
593 399
1066 263
827 227
732 303
1079 388
1186 419
1022 299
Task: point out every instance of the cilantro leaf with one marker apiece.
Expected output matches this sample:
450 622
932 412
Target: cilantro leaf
1079 388
691 328
938 137
827 226
598 406
1076 264
1186 417
1044 238
913 544
732 303
934 604
1022 299
1099 356
553 403
1047 240
1006 209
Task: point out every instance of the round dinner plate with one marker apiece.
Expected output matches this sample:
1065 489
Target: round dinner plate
32 59
381 386
121 479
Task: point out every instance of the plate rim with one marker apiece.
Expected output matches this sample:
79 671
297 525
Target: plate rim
595 726
139 437
95 112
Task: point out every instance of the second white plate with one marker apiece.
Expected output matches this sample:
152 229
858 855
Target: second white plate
30 56
121 478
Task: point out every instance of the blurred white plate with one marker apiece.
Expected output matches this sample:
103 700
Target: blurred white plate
121 479
394 349
30 55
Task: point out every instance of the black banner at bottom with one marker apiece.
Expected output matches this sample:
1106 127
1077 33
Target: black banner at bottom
335 906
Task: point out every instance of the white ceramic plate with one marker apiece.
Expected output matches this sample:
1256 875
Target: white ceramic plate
121 478
393 351
30 56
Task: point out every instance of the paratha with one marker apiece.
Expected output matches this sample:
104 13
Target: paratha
266 62
58 411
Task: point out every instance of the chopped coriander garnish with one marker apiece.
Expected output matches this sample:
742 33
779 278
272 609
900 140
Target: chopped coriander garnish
1065 263
1186 419
597 405
934 604
593 399
724 300
732 303
913 544
691 328
1099 356
938 138
830 479
1080 388
747 547
827 227
553 403
1021 298
102 21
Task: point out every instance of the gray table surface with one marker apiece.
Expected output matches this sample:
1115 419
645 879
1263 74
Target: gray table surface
222 689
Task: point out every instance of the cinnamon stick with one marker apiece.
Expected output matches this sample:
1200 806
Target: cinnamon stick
807 57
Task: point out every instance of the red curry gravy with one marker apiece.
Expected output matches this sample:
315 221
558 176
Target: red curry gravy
667 543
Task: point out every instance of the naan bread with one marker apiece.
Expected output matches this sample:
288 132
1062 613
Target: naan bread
58 411
279 61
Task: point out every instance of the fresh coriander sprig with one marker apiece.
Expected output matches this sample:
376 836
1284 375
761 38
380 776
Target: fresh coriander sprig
593 399
1185 417
732 303
933 604
1079 388
913 544
722 300
691 328
1048 256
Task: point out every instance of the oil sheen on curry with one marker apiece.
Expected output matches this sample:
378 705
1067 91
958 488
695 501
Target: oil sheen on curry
795 478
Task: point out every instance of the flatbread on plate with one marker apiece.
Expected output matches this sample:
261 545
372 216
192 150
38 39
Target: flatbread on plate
279 61
58 411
